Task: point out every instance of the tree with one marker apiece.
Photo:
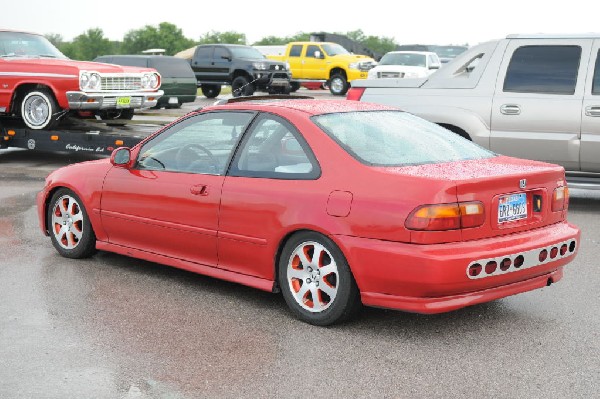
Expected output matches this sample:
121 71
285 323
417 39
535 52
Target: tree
87 46
229 37
54 38
274 40
166 36
374 43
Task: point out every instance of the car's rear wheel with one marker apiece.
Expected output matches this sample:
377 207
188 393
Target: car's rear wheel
338 85
39 109
241 86
69 226
316 281
210 91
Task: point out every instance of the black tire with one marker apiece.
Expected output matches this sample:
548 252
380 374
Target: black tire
116 114
294 87
338 85
336 291
69 225
241 86
39 109
210 91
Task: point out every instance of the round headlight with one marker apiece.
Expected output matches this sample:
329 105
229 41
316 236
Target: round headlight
84 81
95 81
145 81
154 81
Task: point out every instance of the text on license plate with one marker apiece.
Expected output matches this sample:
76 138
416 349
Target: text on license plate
123 102
512 207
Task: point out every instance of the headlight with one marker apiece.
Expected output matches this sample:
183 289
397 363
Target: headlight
353 65
261 66
287 66
90 81
145 81
154 81
411 75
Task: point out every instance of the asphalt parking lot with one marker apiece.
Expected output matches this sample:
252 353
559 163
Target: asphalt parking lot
117 327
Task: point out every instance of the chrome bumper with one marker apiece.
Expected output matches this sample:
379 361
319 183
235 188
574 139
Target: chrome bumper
108 100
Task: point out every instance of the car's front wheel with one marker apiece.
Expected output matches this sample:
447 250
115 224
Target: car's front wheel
69 226
39 109
241 86
210 91
316 281
338 85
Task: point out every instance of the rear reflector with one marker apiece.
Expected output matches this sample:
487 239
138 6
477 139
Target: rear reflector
355 93
446 216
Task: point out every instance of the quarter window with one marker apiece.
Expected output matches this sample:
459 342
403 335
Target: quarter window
543 69
200 144
274 149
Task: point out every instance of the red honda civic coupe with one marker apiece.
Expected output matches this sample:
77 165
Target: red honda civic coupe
333 203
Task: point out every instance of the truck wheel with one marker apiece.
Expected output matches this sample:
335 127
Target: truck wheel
294 86
39 109
210 91
338 85
241 87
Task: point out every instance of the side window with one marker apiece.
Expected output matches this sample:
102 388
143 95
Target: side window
221 53
274 149
469 66
596 82
200 144
312 49
204 52
543 69
296 50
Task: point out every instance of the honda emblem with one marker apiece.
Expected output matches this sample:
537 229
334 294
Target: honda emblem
522 183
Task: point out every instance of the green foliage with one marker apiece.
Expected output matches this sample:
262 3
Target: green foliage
54 38
87 46
274 40
374 43
166 36
229 37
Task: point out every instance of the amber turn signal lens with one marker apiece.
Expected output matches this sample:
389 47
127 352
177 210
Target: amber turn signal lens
446 216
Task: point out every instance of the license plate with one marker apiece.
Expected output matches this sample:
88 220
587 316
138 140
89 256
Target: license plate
123 102
173 100
512 207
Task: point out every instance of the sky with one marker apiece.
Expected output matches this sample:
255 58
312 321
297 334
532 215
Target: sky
406 22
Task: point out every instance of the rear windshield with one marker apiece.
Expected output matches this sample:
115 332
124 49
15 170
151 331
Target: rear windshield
172 67
395 138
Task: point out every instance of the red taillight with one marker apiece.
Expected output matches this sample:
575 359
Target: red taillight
355 93
560 199
446 216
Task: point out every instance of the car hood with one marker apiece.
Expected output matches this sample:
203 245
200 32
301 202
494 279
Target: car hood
263 60
400 68
73 66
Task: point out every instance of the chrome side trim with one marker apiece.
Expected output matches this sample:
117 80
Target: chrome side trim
39 75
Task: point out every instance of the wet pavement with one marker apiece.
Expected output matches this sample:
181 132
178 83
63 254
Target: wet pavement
117 327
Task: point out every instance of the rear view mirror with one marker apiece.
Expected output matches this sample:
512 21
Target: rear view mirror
434 66
319 55
121 156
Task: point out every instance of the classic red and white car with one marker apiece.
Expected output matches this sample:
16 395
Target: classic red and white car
335 203
38 83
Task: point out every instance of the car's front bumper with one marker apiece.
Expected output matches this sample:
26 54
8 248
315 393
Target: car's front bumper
435 278
272 79
108 100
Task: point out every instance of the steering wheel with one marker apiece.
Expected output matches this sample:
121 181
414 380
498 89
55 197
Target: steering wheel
191 156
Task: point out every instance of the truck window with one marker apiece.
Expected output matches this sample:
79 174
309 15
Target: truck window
311 50
204 52
596 82
221 53
296 50
543 69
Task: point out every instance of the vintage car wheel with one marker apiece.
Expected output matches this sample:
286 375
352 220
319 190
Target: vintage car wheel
39 109
338 85
316 281
69 226
210 91
241 86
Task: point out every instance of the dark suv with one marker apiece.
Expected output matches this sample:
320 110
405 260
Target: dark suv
243 67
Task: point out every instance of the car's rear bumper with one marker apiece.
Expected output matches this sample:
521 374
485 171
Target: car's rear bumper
108 100
435 278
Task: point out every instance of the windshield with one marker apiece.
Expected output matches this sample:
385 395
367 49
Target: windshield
396 138
18 44
403 59
334 49
449 51
247 52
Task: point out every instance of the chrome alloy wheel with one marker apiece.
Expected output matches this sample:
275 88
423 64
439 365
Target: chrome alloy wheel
67 222
337 85
36 110
312 275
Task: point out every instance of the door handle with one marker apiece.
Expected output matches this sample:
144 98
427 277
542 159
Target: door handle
592 110
510 109
199 189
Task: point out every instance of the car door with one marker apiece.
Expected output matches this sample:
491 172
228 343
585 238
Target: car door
296 61
273 172
536 111
168 203
590 116
314 66
223 58
202 62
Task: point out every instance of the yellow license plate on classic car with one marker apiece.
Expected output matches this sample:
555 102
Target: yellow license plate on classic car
123 102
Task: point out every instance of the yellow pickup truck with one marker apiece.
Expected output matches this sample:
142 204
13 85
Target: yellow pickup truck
324 62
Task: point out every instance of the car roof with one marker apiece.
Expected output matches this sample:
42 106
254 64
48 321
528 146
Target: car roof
307 106
137 56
